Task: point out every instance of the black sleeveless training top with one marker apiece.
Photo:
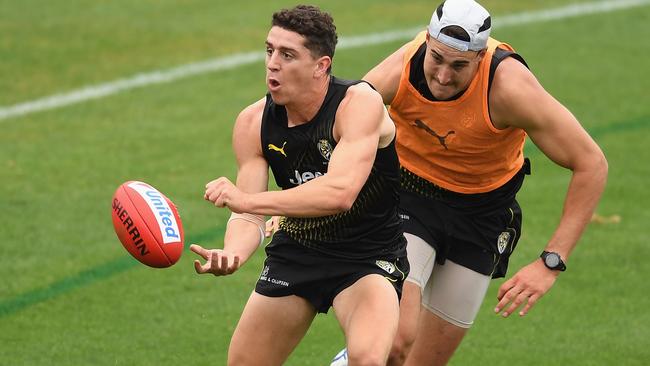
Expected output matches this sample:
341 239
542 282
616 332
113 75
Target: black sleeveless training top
299 154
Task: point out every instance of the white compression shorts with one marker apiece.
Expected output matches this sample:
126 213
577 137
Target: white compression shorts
450 291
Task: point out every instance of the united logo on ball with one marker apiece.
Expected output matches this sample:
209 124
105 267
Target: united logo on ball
147 224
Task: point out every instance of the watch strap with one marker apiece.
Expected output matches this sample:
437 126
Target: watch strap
558 267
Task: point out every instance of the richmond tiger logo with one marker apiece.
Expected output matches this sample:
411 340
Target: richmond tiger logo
325 149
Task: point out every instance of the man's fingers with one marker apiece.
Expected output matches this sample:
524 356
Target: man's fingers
199 268
211 193
214 189
531 302
505 287
235 264
212 196
520 299
514 298
506 298
215 196
199 250
218 263
272 225
268 228
224 263
211 183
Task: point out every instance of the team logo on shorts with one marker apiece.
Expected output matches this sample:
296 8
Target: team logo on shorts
265 277
386 266
325 149
502 241
265 272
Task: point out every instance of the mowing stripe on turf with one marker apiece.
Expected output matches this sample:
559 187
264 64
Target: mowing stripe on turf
86 277
236 60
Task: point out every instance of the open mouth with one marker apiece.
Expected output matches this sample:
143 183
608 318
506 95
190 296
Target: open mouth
273 84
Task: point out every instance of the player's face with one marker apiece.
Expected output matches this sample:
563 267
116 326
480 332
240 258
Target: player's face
447 70
290 66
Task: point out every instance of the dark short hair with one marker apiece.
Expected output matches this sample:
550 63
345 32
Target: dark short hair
455 31
310 22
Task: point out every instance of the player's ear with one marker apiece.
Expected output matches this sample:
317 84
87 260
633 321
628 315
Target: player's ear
481 54
322 66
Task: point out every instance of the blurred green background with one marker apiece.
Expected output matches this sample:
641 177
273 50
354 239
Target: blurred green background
71 295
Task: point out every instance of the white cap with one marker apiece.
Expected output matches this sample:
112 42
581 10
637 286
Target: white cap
467 14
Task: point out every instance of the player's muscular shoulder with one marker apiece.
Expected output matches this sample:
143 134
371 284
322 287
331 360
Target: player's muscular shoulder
361 112
376 111
248 125
252 114
385 77
249 119
361 101
361 94
513 88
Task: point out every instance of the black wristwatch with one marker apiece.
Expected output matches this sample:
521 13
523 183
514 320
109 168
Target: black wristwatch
553 261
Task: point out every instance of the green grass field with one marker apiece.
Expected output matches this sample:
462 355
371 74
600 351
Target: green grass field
71 295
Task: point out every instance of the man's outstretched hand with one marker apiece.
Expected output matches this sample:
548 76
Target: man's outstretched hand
218 262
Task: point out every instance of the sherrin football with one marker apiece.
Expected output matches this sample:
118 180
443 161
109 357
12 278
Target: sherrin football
147 223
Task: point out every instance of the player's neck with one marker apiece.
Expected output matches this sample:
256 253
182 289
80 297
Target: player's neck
307 105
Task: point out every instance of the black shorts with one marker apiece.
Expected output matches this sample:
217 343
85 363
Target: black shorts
292 269
477 231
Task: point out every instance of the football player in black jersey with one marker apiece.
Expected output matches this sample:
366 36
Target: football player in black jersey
330 146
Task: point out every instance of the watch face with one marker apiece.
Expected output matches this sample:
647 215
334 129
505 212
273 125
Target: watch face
552 260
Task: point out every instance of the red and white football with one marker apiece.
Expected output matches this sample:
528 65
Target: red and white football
147 223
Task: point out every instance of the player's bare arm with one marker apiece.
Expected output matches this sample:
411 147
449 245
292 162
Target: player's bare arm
386 75
386 136
358 126
357 129
518 100
244 230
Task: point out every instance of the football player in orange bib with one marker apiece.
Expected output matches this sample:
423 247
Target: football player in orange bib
463 104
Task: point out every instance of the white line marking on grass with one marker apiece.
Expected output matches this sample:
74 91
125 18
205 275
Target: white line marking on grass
240 59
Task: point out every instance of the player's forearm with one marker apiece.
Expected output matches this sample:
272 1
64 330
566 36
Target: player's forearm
242 238
320 197
583 194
